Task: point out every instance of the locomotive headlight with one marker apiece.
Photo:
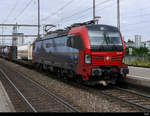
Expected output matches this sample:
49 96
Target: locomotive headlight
87 59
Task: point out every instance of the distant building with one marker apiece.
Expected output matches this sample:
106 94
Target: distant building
137 41
130 44
143 44
18 39
147 44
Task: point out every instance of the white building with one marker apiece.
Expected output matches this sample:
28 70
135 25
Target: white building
148 44
137 41
130 44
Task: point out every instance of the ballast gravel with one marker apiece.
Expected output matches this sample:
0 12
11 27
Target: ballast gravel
82 99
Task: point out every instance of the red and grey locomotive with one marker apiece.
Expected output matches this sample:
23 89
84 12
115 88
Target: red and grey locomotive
90 53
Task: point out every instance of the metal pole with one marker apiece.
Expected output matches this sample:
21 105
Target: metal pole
2 34
118 14
38 19
94 10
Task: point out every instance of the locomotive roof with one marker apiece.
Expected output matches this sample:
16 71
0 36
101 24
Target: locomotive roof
98 27
54 34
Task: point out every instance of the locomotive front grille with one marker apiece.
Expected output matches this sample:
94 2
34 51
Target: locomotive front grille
98 60
116 59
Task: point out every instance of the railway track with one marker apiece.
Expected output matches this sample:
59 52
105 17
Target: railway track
131 98
35 97
134 99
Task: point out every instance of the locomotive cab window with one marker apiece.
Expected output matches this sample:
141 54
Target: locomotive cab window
75 42
70 42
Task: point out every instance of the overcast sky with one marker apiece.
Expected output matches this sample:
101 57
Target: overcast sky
135 14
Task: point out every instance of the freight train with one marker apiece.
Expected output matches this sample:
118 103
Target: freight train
87 52
8 52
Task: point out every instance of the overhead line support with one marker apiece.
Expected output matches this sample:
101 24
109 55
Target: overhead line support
118 14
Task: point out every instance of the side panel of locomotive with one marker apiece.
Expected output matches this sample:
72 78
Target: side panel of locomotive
55 52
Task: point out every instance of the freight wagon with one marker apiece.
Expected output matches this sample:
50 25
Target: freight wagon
24 52
9 52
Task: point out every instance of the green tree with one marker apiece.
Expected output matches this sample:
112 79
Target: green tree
133 51
130 41
137 51
142 51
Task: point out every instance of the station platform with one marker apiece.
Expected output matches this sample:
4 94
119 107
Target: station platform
5 103
139 76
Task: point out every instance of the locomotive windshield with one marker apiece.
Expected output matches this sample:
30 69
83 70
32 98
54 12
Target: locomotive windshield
104 38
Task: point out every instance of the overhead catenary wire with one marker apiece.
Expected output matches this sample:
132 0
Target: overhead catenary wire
60 9
141 27
85 15
11 11
141 15
137 23
81 14
23 10
140 9
70 18
85 10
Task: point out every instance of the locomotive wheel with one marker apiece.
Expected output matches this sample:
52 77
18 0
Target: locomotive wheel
37 67
61 75
78 79
65 78
58 75
41 67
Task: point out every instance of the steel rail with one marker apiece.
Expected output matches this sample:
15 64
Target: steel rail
34 110
127 101
67 105
64 103
104 93
136 93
